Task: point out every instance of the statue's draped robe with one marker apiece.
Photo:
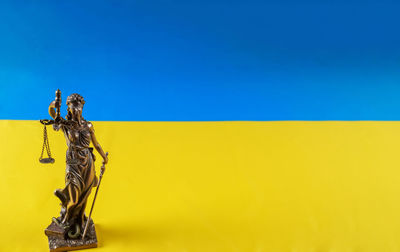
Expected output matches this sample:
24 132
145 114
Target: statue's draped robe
80 172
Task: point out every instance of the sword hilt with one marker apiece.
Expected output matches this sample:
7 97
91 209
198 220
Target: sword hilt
58 103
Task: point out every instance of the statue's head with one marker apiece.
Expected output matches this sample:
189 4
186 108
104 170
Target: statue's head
75 104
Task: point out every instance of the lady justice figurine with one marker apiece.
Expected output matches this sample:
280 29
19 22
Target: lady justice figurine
72 229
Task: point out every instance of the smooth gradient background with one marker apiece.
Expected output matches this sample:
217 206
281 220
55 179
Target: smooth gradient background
231 125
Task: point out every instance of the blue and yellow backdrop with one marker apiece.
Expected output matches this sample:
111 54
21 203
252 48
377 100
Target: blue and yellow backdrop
231 125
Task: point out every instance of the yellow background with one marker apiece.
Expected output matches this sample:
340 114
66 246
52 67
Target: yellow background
216 186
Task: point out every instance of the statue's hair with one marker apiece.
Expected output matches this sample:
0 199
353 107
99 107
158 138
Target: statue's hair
72 98
75 97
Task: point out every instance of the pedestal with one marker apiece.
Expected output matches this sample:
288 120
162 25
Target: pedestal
58 242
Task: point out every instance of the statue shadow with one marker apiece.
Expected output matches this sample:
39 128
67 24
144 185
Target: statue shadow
128 234
166 234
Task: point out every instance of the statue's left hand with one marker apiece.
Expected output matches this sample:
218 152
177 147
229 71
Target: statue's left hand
105 161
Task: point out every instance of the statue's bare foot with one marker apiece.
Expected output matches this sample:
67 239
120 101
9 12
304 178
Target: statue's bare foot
60 195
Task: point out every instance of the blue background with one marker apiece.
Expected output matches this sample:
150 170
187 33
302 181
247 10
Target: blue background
203 60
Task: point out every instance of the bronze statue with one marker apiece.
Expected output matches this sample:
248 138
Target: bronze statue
80 176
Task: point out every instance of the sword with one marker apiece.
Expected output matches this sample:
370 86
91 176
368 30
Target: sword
58 103
94 199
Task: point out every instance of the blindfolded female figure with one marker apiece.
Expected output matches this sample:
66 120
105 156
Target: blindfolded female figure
80 174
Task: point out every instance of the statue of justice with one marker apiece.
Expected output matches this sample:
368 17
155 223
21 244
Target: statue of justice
73 229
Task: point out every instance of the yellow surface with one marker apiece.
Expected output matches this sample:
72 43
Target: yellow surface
216 186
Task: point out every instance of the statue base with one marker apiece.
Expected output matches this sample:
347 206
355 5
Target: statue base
58 242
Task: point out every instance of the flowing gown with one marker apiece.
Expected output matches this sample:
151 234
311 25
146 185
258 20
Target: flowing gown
80 171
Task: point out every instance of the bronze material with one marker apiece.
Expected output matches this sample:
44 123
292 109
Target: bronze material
80 175
58 103
57 242
102 169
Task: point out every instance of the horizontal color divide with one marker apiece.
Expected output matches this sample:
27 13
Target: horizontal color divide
224 103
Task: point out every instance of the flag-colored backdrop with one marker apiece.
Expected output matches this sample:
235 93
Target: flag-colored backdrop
231 125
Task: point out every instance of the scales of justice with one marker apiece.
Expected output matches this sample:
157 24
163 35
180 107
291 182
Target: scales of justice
73 229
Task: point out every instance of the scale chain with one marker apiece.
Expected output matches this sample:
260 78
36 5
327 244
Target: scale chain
45 144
